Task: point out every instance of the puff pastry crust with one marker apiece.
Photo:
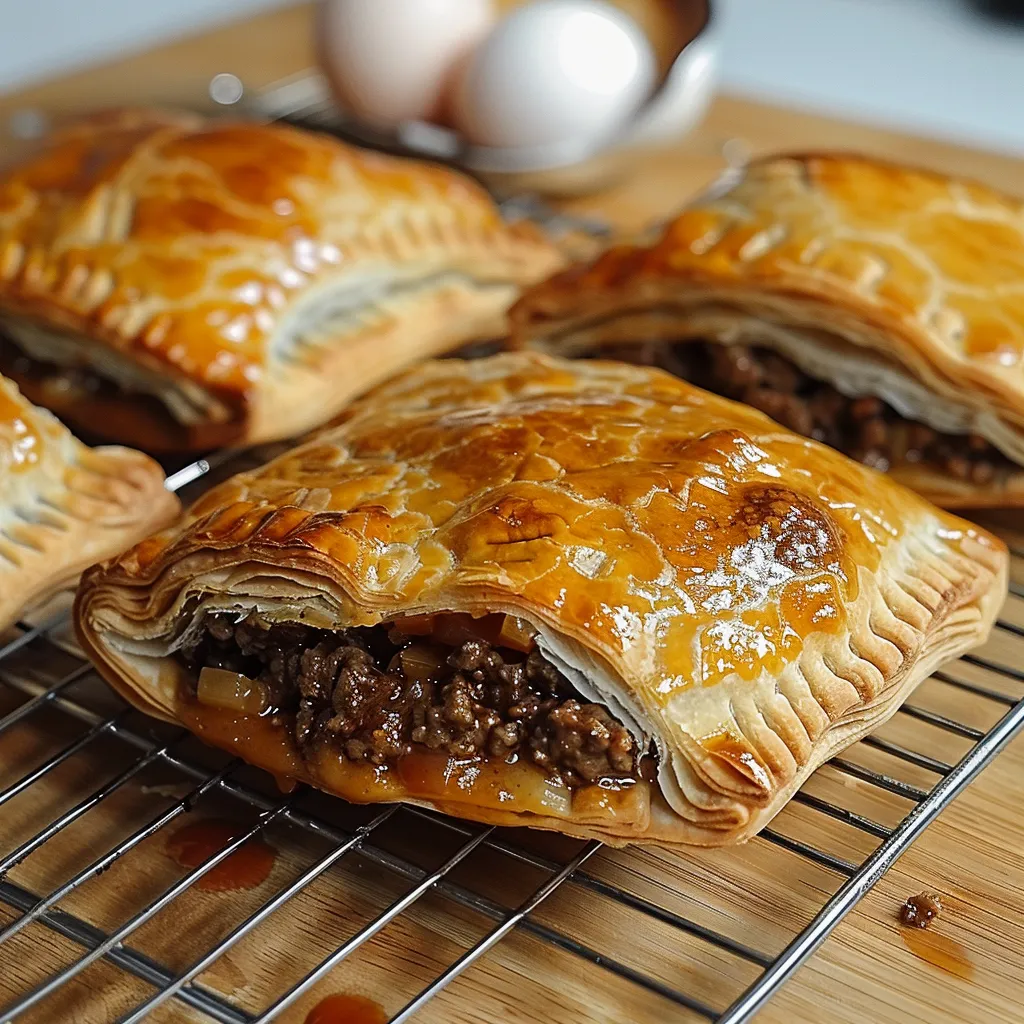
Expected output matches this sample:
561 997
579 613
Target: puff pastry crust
749 599
181 284
883 280
65 506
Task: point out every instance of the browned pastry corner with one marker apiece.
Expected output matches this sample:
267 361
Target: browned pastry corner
64 506
875 307
583 596
177 284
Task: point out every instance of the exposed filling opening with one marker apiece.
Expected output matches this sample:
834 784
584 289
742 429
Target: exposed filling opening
100 405
80 380
35 349
867 429
453 684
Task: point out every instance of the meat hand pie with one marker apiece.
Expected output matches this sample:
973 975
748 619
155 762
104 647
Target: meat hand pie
63 505
873 307
178 284
577 595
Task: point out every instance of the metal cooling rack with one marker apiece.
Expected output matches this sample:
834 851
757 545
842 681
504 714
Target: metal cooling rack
104 729
107 728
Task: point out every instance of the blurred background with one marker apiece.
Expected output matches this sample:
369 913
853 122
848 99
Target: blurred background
948 68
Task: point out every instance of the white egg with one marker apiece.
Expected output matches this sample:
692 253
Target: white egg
388 61
554 71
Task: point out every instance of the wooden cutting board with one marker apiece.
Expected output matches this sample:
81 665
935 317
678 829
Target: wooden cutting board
759 894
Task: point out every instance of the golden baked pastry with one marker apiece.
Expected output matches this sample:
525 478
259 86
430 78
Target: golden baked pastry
875 307
583 596
179 284
64 506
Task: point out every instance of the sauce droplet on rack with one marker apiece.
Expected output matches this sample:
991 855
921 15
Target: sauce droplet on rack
286 784
246 868
347 1009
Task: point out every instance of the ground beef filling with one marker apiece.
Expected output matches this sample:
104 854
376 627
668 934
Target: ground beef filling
866 429
14 361
348 689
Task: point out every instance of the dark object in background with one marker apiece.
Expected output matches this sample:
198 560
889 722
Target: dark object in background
1007 11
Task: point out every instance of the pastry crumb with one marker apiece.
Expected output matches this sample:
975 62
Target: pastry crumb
919 911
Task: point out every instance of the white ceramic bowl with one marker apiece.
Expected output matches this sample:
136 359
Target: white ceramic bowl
676 106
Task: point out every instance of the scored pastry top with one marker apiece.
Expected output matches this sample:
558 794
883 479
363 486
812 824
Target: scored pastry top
205 251
943 257
64 505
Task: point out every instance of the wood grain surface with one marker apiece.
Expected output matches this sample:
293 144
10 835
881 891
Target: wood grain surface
760 894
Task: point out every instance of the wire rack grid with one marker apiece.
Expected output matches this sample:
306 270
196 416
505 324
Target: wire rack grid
105 725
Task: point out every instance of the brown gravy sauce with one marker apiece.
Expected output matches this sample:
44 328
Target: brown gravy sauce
939 950
246 868
286 784
347 1009
445 781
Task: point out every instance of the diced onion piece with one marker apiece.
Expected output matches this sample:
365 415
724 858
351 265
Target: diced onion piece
517 634
420 662
232 691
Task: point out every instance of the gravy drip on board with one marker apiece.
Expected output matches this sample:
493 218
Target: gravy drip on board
343 1008
247 868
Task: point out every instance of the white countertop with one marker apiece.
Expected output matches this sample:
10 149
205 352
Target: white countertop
931 66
